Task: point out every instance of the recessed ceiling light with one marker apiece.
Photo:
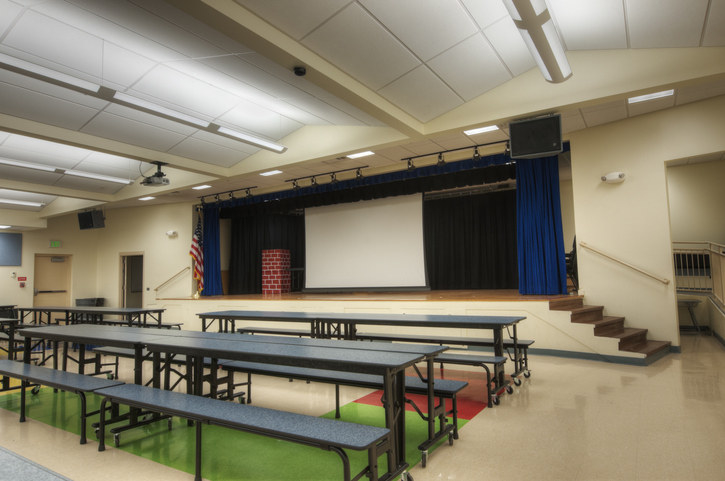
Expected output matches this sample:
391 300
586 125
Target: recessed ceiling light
4 226
43 73
271 172
480 130
360 154
652 96
27 165
201 187
147 198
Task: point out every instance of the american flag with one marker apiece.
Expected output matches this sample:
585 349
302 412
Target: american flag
197 254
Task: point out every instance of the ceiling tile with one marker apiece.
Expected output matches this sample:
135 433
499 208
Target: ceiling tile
693 93
471 67
360 46
604 113
572 120
590 25
714 30
70 49
253 118
153 120
21 174
208 152
288 17
486 12
665 23
506 40
115 127
195 95
29 149
422 94
422 147
395 153
122 68
24 103
89 185
10 11
427 27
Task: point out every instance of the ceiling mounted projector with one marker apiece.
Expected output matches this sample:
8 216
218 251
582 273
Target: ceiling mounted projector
158 178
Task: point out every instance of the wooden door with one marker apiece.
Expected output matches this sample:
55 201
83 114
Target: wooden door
52 280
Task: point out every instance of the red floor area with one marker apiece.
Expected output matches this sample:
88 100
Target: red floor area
471 400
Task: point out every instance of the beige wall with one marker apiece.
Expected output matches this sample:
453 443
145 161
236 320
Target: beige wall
697 198
631 220
567 213
97 253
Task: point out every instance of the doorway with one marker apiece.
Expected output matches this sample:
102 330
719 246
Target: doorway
52 280
132 280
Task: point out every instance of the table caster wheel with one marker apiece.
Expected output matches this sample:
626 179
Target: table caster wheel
35 390
517 381
423 459
496 401
509 389
527 374
450 439
117 439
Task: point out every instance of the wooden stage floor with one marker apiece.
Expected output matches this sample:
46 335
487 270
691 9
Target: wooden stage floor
452 295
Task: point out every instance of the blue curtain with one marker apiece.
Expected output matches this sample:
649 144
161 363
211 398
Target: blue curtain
542 268
212 265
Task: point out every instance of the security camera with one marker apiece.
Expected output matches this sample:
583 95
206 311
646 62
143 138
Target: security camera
299 71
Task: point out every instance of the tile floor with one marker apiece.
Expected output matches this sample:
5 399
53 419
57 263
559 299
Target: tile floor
572 420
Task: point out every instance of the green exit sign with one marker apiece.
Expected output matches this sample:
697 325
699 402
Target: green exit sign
55 243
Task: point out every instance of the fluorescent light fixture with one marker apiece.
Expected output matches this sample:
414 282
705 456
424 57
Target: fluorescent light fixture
652 96
46 74
480 130
21 202
250 139
147 198
360 154
4 226
271 172
27 165
537 28
158 109
107 178
201 187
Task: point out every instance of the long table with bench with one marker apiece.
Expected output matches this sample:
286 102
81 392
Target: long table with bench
128 316
346 326
389 362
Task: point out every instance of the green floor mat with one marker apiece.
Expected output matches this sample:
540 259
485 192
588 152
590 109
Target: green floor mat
227 454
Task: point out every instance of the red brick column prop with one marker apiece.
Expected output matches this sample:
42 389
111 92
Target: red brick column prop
275 271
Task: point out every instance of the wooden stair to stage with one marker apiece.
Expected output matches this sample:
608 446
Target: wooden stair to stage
630 339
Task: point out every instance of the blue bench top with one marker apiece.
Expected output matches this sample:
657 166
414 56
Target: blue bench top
472 341
54 378
246 417
469 359
412 383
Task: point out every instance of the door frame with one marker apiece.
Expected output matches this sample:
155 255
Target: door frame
122 286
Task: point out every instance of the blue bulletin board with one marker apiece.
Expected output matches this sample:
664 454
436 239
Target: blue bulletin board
11 249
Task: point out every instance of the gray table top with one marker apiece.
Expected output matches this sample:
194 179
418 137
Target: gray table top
93 334
416 320
92 309
347 357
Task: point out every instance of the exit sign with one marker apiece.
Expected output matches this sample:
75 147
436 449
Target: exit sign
55 243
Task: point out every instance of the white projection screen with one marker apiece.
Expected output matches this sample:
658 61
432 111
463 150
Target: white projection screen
374 244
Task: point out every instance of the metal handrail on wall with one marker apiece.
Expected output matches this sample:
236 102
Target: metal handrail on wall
171 278
700 267
626 264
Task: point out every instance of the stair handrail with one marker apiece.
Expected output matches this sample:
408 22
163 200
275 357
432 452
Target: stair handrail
663 280
171 278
